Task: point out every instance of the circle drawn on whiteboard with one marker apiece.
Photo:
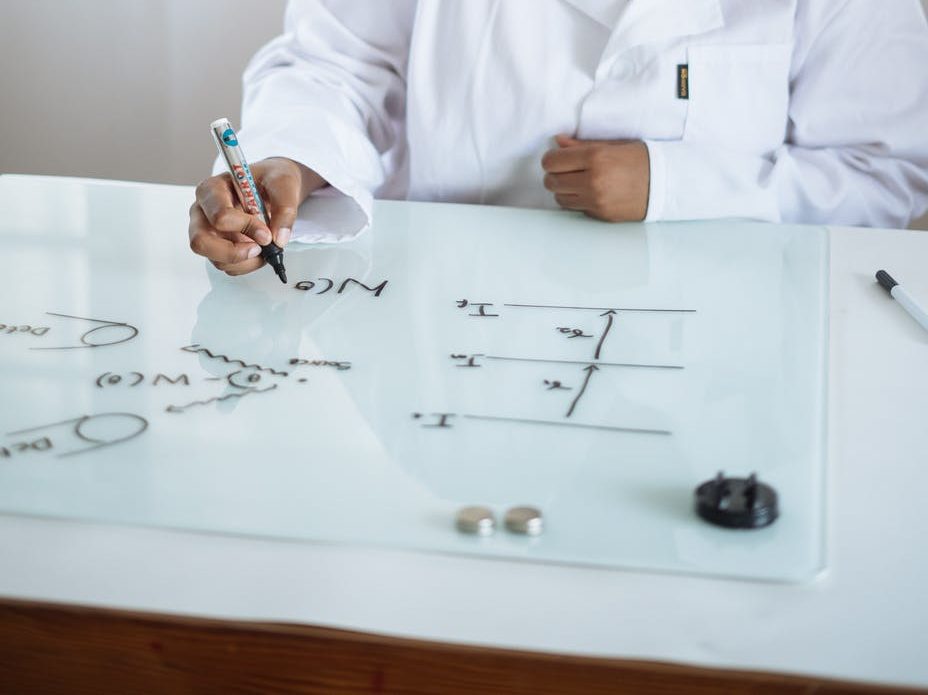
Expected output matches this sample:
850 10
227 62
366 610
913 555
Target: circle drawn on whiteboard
119 333
107 429
124 332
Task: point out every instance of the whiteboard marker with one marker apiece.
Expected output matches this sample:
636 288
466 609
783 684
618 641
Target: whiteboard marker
227 144
904 298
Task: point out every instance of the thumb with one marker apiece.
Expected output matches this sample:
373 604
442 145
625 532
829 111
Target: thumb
282 218
282 197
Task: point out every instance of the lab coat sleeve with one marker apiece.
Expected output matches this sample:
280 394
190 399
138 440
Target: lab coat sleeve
856 149
330 93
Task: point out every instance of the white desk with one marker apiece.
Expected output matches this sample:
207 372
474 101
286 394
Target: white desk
863 620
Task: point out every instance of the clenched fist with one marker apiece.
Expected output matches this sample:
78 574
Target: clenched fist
606 179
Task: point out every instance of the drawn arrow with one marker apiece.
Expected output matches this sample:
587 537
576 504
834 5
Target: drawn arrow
589 373
602 338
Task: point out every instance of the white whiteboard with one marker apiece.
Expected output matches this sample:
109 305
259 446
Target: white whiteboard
249 407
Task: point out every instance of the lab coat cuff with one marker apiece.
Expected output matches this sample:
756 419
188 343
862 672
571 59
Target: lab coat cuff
691 181
658 183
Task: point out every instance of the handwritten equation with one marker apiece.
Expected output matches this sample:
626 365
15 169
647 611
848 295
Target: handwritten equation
323 285
79 435
102 333
86 433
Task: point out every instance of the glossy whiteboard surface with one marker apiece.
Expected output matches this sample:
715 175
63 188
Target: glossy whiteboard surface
454 355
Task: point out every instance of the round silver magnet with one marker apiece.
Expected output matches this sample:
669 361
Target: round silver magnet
525 520
478 521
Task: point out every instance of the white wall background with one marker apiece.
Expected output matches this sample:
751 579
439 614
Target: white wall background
125 89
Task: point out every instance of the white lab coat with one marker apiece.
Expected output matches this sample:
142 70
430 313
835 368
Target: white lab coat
811 111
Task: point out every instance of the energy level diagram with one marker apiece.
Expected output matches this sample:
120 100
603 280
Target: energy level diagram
610 321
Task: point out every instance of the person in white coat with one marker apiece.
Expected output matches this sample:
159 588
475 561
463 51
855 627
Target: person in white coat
810 111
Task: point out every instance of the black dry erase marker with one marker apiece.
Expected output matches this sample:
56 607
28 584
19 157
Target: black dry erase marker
907 301
227 143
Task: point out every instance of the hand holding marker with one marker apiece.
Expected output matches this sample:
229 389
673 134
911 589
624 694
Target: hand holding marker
227 143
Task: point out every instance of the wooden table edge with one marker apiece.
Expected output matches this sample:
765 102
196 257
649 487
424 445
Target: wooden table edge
50 648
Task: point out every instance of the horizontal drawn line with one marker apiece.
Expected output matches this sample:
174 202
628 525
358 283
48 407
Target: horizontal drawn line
525 421
602 308
42 427
598 364
84 318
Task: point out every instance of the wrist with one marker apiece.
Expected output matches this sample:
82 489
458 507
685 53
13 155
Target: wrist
309 181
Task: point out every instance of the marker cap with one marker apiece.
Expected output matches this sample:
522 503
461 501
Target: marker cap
886 280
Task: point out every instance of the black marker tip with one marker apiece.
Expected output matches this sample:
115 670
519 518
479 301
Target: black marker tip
886 280
274 255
